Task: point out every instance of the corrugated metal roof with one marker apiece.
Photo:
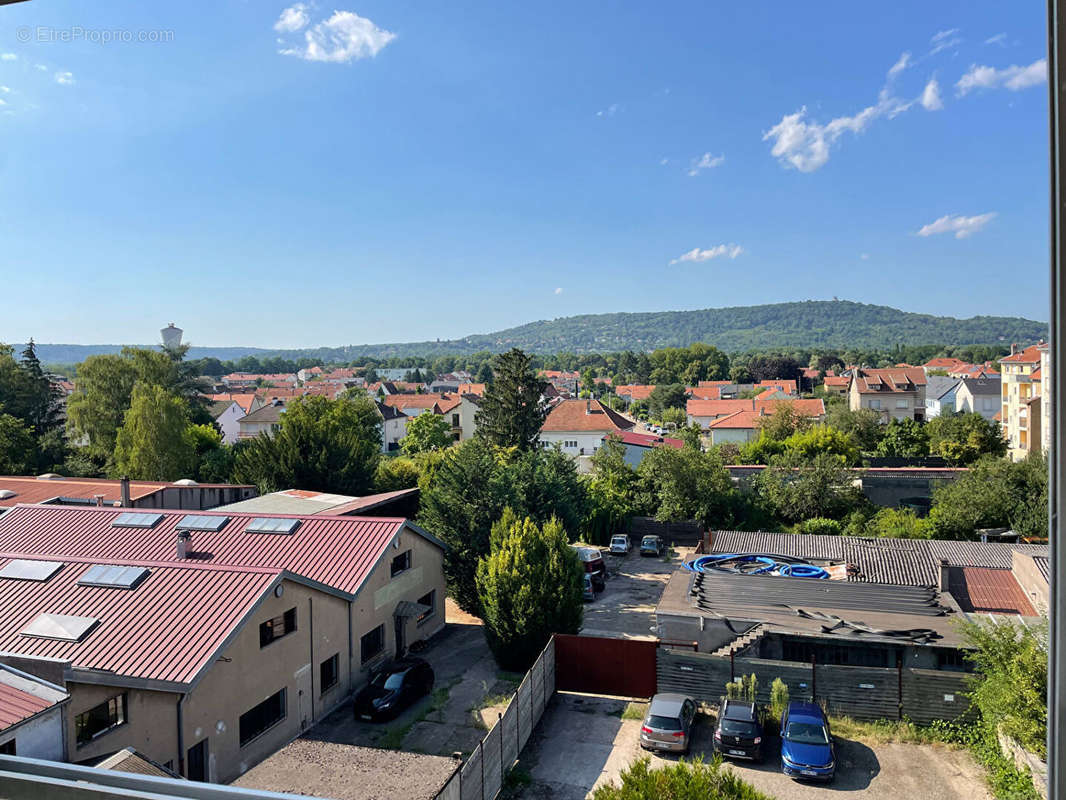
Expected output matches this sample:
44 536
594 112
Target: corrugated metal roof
196 605
991 591
336 551
29 489
1042 565
906 562
23 696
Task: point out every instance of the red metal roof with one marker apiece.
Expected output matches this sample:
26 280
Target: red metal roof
29 489
196 605
991 591
336 551
16 704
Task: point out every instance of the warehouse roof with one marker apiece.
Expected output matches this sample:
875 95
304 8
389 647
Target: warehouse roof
31 489
24 696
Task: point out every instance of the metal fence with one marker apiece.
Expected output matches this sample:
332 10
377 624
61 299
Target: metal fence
482 775
866 693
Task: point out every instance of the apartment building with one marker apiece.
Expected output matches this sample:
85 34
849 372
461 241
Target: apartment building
1022 410
893 392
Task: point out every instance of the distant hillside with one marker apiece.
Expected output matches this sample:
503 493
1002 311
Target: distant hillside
809 324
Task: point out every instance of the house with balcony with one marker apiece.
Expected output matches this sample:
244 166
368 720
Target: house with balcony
1022 410
892 392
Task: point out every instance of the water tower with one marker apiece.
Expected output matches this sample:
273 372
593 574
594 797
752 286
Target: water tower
171 337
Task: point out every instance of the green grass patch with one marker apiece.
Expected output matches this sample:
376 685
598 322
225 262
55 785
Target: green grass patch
890 731
630 711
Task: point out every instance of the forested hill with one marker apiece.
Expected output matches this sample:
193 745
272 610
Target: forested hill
811 324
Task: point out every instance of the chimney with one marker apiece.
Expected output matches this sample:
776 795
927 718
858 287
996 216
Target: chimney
124 487
588 406
1013 348
184 544
944 577
99 499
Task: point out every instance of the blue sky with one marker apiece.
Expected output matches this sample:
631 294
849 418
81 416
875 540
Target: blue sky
290 175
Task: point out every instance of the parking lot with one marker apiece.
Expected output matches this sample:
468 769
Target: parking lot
584 741
626 608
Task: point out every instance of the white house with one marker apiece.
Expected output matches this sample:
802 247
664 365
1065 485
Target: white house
263 420
579 426
940 396
393 427
32 722
980 396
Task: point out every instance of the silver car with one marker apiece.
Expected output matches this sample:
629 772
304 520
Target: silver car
668 723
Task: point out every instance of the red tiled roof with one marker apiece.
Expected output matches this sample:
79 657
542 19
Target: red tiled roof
243 400
890 379
1030 355
943 363
803 406
991 591
335 551
708 384
787 386
646 439
738 419
637 391
442 402
571 415
705 392
197 605
1035 374
696 407
472 388
832 380
17 704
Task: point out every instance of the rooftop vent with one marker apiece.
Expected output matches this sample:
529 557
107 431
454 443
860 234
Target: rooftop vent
6 494
63 627
110 576
21 569
186 482
49 476
130 519
272 525
201 522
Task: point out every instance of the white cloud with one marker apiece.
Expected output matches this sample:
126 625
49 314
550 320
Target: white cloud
610 111
292 19
930 98
944 40
5 89
999 38
341 39
697 255
65 78
41 67
899 66
1013 77
865 256
961 226
706 161
8 57
558 289
664 161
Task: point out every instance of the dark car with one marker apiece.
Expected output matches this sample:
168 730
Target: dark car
651 545
668 723
806 743
392 689
592 560
738 733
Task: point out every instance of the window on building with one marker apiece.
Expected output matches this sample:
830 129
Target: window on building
97 721
428 600
401 563
8 748
455 420
372 643
263 717
875 404
274 629
329 672
902 403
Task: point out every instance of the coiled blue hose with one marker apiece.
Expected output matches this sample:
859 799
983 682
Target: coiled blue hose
768 564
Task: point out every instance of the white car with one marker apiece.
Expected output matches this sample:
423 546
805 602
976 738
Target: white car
619 545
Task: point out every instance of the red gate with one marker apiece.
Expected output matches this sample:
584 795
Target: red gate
601 665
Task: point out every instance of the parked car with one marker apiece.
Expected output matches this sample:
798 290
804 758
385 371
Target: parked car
392 689
592 558
738 733
651 546
587 591
806 743
668 723
620 545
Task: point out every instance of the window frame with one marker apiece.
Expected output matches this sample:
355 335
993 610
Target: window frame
269 625
283 693
407 557
431 596
118 717
364 658
324 687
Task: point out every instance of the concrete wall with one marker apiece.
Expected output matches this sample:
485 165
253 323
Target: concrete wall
1031 580
229 421
732 435
588 442
40 736
151 726
195 498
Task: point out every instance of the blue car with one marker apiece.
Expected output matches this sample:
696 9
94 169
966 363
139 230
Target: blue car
806 743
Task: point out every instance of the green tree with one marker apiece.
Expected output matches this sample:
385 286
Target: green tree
155 442
692 436
529 587
897 523
961 439
783 421
427 431
795 488
904 438
511 412
675 416
611 488
662 397
683 780
864 425
685 484
823 439
322 444
18 454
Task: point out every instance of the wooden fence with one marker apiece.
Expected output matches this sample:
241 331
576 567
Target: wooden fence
866 693
481 776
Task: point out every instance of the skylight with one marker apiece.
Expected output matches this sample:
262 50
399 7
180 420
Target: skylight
201 522
111 576
131 519
60 626
272 525
22 569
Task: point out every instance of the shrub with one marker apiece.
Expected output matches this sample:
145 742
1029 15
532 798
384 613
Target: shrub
778 698
685 780
820 525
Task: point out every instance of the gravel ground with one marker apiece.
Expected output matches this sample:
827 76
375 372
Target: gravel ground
583 742
348 772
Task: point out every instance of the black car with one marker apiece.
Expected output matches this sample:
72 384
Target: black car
738 733
392 689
